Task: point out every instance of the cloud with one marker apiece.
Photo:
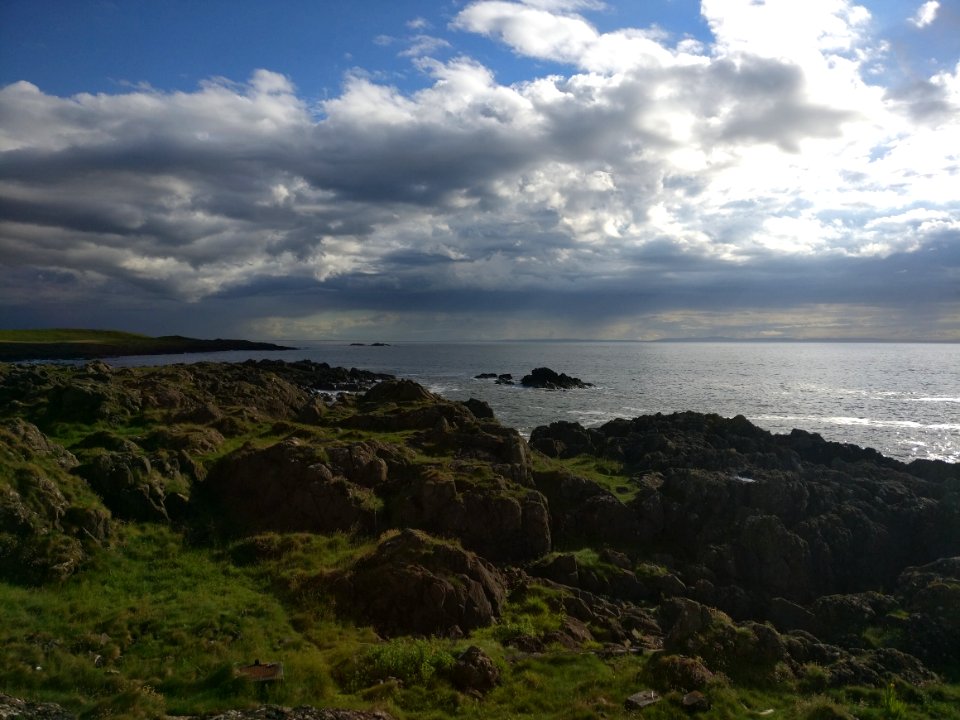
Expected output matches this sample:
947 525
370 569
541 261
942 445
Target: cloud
646 184
925 14
421 45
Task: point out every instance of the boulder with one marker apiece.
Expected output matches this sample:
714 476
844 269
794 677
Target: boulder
288 487
397 391
677 672
127 484
15 708
642 699
414 584
474 672
545 378
488 515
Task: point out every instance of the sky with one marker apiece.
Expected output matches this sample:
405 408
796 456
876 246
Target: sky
482 169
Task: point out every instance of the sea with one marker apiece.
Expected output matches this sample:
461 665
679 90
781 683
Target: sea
901 399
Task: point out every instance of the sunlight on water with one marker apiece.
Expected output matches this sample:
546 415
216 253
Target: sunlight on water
903 400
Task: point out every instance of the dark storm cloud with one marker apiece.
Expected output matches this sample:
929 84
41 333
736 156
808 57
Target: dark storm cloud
925 101
719 181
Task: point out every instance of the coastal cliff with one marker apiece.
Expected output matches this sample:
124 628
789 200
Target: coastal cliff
407 556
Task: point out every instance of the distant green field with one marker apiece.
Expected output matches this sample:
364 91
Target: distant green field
78 344
67 335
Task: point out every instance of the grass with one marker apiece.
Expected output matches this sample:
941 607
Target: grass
607 473
63 335
156 626
68 344
155 623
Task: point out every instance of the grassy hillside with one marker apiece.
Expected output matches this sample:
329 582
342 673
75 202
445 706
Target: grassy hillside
68 344
160 527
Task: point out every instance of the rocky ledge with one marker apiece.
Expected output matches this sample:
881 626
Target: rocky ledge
708 552
542 377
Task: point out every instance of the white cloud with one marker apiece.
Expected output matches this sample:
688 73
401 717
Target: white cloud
925 14
424 45
643 168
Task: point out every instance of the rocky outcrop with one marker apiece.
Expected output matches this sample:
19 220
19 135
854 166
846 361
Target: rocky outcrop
931 595
790 516
44 533
487 514
731 553
415 584
17 709
547 379
302 712
474 672
582 511
291 487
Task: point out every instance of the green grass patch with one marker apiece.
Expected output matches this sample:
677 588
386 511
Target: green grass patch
152 613
608 474
73 335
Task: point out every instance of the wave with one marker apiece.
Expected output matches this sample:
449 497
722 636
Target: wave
858 421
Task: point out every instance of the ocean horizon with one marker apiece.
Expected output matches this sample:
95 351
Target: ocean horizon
902 399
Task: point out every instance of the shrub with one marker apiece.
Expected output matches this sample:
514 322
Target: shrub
411 661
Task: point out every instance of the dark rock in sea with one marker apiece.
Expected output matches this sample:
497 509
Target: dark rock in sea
416 584
485 376
548 379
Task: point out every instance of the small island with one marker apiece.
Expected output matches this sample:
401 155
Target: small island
78 344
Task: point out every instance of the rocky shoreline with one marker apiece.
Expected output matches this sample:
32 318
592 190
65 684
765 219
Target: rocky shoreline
707 552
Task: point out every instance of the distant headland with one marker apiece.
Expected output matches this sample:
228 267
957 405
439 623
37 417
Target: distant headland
78 344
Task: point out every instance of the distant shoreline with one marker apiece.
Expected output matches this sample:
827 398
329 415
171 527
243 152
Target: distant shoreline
30 345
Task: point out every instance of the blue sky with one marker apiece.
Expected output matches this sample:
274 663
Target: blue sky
482 169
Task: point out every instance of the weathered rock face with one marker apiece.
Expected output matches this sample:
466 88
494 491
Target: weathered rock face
583 511
290 487
604 578
416 584
15 708
931 594
488 515
43 536
790 516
